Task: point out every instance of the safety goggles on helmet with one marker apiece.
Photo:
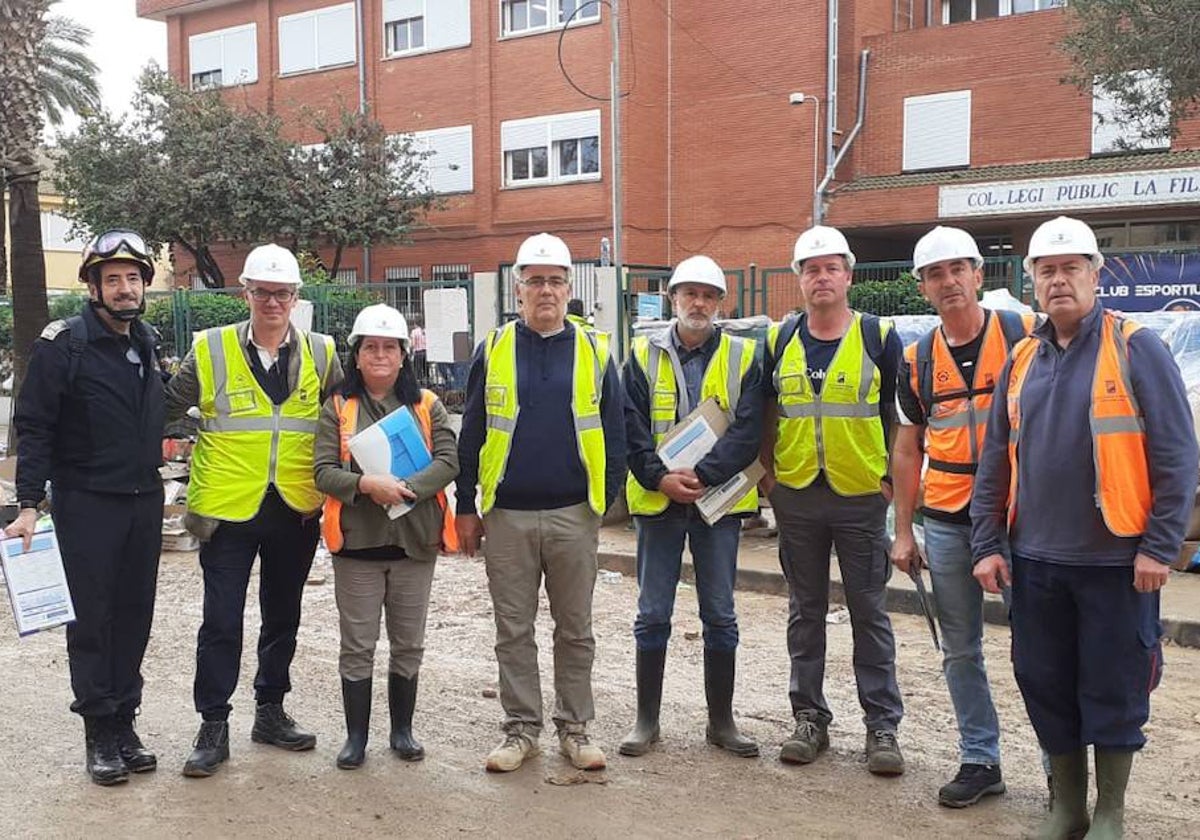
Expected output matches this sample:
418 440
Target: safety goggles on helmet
117 244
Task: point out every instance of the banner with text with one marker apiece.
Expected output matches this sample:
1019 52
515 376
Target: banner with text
1150 282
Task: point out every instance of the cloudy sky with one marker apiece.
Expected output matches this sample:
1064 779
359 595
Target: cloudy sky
122 44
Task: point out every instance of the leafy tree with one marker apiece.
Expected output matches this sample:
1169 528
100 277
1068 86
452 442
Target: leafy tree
190 169
1111 39
889 297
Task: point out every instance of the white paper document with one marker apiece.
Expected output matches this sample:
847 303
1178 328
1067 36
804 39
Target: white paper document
37 583
693 437
718 500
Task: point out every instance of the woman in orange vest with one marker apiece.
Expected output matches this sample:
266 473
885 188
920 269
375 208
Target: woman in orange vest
383 560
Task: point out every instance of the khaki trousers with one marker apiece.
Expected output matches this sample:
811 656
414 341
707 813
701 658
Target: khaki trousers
521 547
398 588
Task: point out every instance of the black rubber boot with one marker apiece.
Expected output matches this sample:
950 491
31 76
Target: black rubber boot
1068 811
104 763
719 668
133 752
645 733
402 699
356 702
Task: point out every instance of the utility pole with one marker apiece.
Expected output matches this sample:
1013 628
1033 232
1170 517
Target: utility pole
618 251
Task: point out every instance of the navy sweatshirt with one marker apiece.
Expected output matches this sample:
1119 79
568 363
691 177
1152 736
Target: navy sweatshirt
544 469
1058 517
736 449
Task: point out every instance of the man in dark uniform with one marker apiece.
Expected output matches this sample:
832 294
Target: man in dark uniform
89 419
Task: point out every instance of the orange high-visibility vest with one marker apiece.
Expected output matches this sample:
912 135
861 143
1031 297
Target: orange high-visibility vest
347 411
1118 431
956 412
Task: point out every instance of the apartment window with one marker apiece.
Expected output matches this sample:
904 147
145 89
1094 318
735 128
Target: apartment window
937 131
402 273
317 39
1115 131
551 150
520 16
224 57
961 11
56 234
453 273
346 277
411 26
449 167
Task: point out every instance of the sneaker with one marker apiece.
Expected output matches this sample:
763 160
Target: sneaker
583 754
508 756
810 739
973 782
274 726
883 753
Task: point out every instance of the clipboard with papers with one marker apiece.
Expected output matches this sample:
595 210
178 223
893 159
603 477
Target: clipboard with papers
394 445
36 582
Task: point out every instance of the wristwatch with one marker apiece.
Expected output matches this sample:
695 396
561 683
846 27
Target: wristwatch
27 505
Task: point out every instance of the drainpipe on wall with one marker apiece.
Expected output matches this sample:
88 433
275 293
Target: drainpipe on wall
819 197
831 81
362 104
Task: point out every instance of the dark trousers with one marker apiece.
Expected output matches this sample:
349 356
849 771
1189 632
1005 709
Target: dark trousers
1086 653
110 545
284 542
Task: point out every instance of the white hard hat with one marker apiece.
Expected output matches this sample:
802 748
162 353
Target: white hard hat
945 243
821 241
542 249
698 269
381 321
1063 235
271 264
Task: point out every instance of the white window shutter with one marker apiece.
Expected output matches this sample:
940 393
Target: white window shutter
204 53
523 134
405 9
937 131
241 56
336 36
447 23
572 126
297 44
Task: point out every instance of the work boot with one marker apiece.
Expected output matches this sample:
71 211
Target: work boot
402 699
104 762
973 782
809 739
1068 811
135 755
650 665
883 753
356 703
517 747
1112 777
210 748
719 667
272 725
573 742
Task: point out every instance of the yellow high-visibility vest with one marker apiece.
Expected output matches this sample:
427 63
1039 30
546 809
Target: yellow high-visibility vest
838 430
248 443
722 380
501 407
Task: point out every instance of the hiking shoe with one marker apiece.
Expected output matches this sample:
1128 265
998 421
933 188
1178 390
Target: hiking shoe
883 753
210 749
508 756
133 752
274 726
809 739
973 782
578 748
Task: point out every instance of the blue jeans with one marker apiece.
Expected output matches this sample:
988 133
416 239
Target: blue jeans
659 560
960 616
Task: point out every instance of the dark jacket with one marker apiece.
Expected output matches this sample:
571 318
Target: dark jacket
736 449
101 432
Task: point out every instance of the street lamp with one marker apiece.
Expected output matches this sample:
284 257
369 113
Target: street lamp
799 98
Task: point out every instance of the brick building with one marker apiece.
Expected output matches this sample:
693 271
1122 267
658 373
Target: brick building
965 120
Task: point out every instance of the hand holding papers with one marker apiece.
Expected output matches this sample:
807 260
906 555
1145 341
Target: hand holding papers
37 584
395 446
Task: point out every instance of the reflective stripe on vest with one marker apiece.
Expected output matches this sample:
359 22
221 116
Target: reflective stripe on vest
1123 490
248 443
837 431
669 403
955 414
347 414
502 408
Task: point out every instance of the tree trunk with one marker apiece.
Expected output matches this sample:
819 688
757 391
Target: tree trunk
3 246
30 309
337 263
210 272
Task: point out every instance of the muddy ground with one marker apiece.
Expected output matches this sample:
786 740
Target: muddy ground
683 789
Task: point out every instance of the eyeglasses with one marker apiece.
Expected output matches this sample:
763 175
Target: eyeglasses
279 295
555 283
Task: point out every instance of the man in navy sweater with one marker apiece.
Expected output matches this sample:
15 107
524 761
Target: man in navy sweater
1089 465
543 438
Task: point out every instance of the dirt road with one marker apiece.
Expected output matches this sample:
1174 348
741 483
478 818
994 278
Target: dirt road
684 789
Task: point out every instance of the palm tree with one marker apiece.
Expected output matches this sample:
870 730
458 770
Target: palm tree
22 25
66 80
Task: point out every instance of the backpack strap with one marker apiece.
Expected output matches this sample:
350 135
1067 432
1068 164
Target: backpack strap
78 342
925 369
1012 324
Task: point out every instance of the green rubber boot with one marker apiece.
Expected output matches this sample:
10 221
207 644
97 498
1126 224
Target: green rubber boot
1112 777
1068 818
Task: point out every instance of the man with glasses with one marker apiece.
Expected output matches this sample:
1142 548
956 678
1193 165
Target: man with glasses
543 437
89 420
259 386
